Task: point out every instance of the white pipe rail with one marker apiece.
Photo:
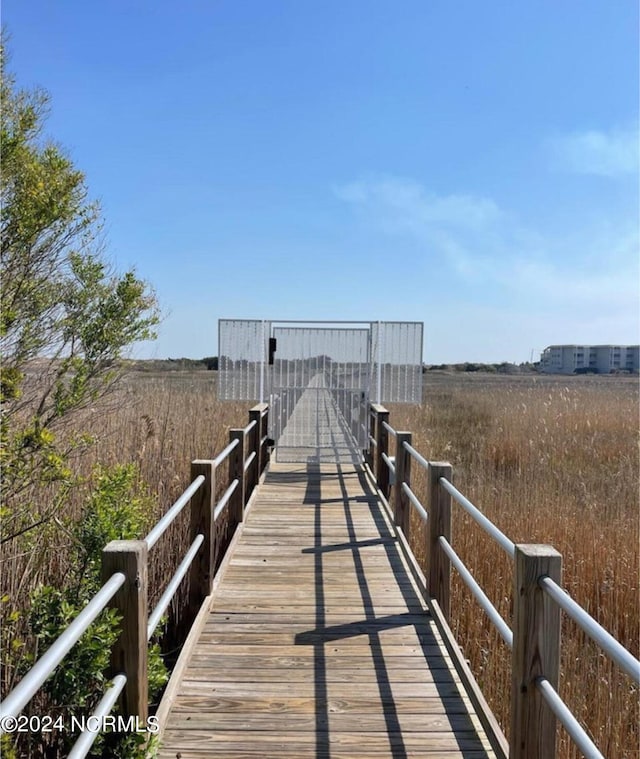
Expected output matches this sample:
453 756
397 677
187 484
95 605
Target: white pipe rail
224 453
249 461
412 452
389 463
503 628
83 745
623 658
414 500
389 429
250 426
587 747
373 441
486 524
20 696
161 527
165 598
225 499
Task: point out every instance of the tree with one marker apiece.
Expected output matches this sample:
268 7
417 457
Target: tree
65 316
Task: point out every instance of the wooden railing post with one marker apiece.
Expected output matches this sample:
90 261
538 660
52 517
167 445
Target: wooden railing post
536 652
254 446
264 432
382 440
236 471
201 521
129 653
403 474
439 524
370 423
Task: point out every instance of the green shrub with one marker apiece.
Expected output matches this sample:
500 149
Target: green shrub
118 508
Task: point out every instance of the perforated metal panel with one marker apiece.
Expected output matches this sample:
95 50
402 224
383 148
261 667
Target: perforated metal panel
320 384
243 346
319 379
396 375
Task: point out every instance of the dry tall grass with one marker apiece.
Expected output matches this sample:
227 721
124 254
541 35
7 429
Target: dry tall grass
548 460
159 421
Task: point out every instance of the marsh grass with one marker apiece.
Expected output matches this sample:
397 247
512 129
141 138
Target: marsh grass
548 460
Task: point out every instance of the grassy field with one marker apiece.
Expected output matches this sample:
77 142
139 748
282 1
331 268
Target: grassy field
549 460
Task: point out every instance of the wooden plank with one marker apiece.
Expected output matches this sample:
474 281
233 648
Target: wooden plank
304 723
305 664
289 705
261 752
318 642
224 742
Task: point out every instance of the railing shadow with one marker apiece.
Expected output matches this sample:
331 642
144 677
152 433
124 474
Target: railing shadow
373 625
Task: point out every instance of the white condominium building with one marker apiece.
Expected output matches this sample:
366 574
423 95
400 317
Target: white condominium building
601 359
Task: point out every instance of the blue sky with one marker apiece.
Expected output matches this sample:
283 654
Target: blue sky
472 165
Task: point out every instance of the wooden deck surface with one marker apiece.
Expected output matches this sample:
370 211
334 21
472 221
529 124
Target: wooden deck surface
317 642
316 430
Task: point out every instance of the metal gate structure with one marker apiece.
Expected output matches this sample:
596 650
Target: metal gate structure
319 378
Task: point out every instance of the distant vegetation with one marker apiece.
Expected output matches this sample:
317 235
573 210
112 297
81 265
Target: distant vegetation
502 368
211 362
174 364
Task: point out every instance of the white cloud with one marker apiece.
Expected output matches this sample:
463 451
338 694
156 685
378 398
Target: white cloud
613 153
481 256
413 207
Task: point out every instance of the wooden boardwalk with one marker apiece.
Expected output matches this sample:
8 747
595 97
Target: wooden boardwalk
316 430
316 641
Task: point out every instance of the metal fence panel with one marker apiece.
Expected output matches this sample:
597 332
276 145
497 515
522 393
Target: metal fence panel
243 346
320 385
397 362
313 372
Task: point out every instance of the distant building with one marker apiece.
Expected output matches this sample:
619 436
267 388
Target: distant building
600 359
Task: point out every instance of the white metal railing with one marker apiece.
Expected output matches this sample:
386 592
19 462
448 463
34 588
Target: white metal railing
503 628
170 591
88 737
486 524
390 465
566 718
167 520
422 513
412 452
249 460
224 500
389 429
25 690
623 658
225 452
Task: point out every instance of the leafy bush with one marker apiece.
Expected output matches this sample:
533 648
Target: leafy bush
118 508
